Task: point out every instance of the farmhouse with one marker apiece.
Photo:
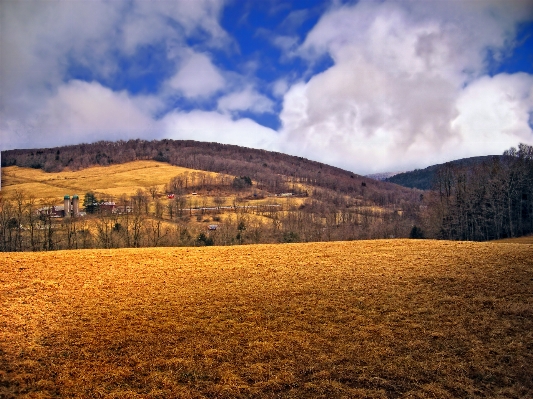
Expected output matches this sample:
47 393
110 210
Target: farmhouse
71 208
54 211
107 207
121 209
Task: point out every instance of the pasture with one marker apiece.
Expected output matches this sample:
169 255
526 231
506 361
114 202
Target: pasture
113 180
368 319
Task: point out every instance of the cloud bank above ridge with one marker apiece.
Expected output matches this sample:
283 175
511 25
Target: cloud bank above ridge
409 85
367 86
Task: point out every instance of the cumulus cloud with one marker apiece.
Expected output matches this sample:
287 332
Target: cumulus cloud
246 100
84 112
494 113
197 77
88 112
216 127
37 40
406 86
41 43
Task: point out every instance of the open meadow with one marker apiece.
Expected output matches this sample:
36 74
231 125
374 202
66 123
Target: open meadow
113 180
369 319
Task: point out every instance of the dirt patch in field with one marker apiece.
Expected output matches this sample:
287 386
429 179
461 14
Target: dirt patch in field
381 319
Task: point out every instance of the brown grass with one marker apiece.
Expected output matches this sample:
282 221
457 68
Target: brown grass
517 240
113 180
374 319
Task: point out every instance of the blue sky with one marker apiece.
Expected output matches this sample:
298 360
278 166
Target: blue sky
369 86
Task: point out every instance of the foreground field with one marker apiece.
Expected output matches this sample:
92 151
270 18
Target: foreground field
517 240
372 319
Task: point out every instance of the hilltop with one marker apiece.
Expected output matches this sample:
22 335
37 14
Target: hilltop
106 181
424 179
271 169
382 176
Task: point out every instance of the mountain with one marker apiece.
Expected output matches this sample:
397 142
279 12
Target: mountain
423 179
272 170
382 176
255 196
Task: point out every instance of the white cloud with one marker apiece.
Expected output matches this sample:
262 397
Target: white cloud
40 41
197 77
88 112
148 22
286 43
37 40
408 86
82 112
494 113
280 87
398 82
198 17
38 108
246 100
215 127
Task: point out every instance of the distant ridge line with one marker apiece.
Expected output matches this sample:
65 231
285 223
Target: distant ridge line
275 168
423 179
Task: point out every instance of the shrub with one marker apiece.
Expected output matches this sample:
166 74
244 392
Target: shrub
416 232
205 240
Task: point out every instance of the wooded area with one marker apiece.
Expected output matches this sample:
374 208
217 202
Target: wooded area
147 219
490 200
267 168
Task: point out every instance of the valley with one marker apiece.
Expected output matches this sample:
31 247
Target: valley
151 203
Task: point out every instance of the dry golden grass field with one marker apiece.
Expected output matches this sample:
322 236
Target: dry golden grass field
518 240
113 180
368 319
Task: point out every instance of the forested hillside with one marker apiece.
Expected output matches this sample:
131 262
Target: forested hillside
252 196
484 200
233 195
266 167
424 179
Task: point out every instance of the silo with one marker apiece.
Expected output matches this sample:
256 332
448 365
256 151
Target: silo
67 205
75 205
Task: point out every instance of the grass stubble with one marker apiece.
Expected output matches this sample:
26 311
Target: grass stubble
112 180
372 319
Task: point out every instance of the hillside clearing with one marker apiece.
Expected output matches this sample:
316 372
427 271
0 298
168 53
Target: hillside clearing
112 180
378 319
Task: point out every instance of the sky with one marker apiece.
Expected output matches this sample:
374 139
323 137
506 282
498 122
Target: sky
368 86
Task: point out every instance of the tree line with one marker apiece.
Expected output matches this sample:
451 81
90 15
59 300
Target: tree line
491 200
271 170
149 218
485 201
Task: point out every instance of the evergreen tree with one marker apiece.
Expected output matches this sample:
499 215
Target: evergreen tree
90 202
